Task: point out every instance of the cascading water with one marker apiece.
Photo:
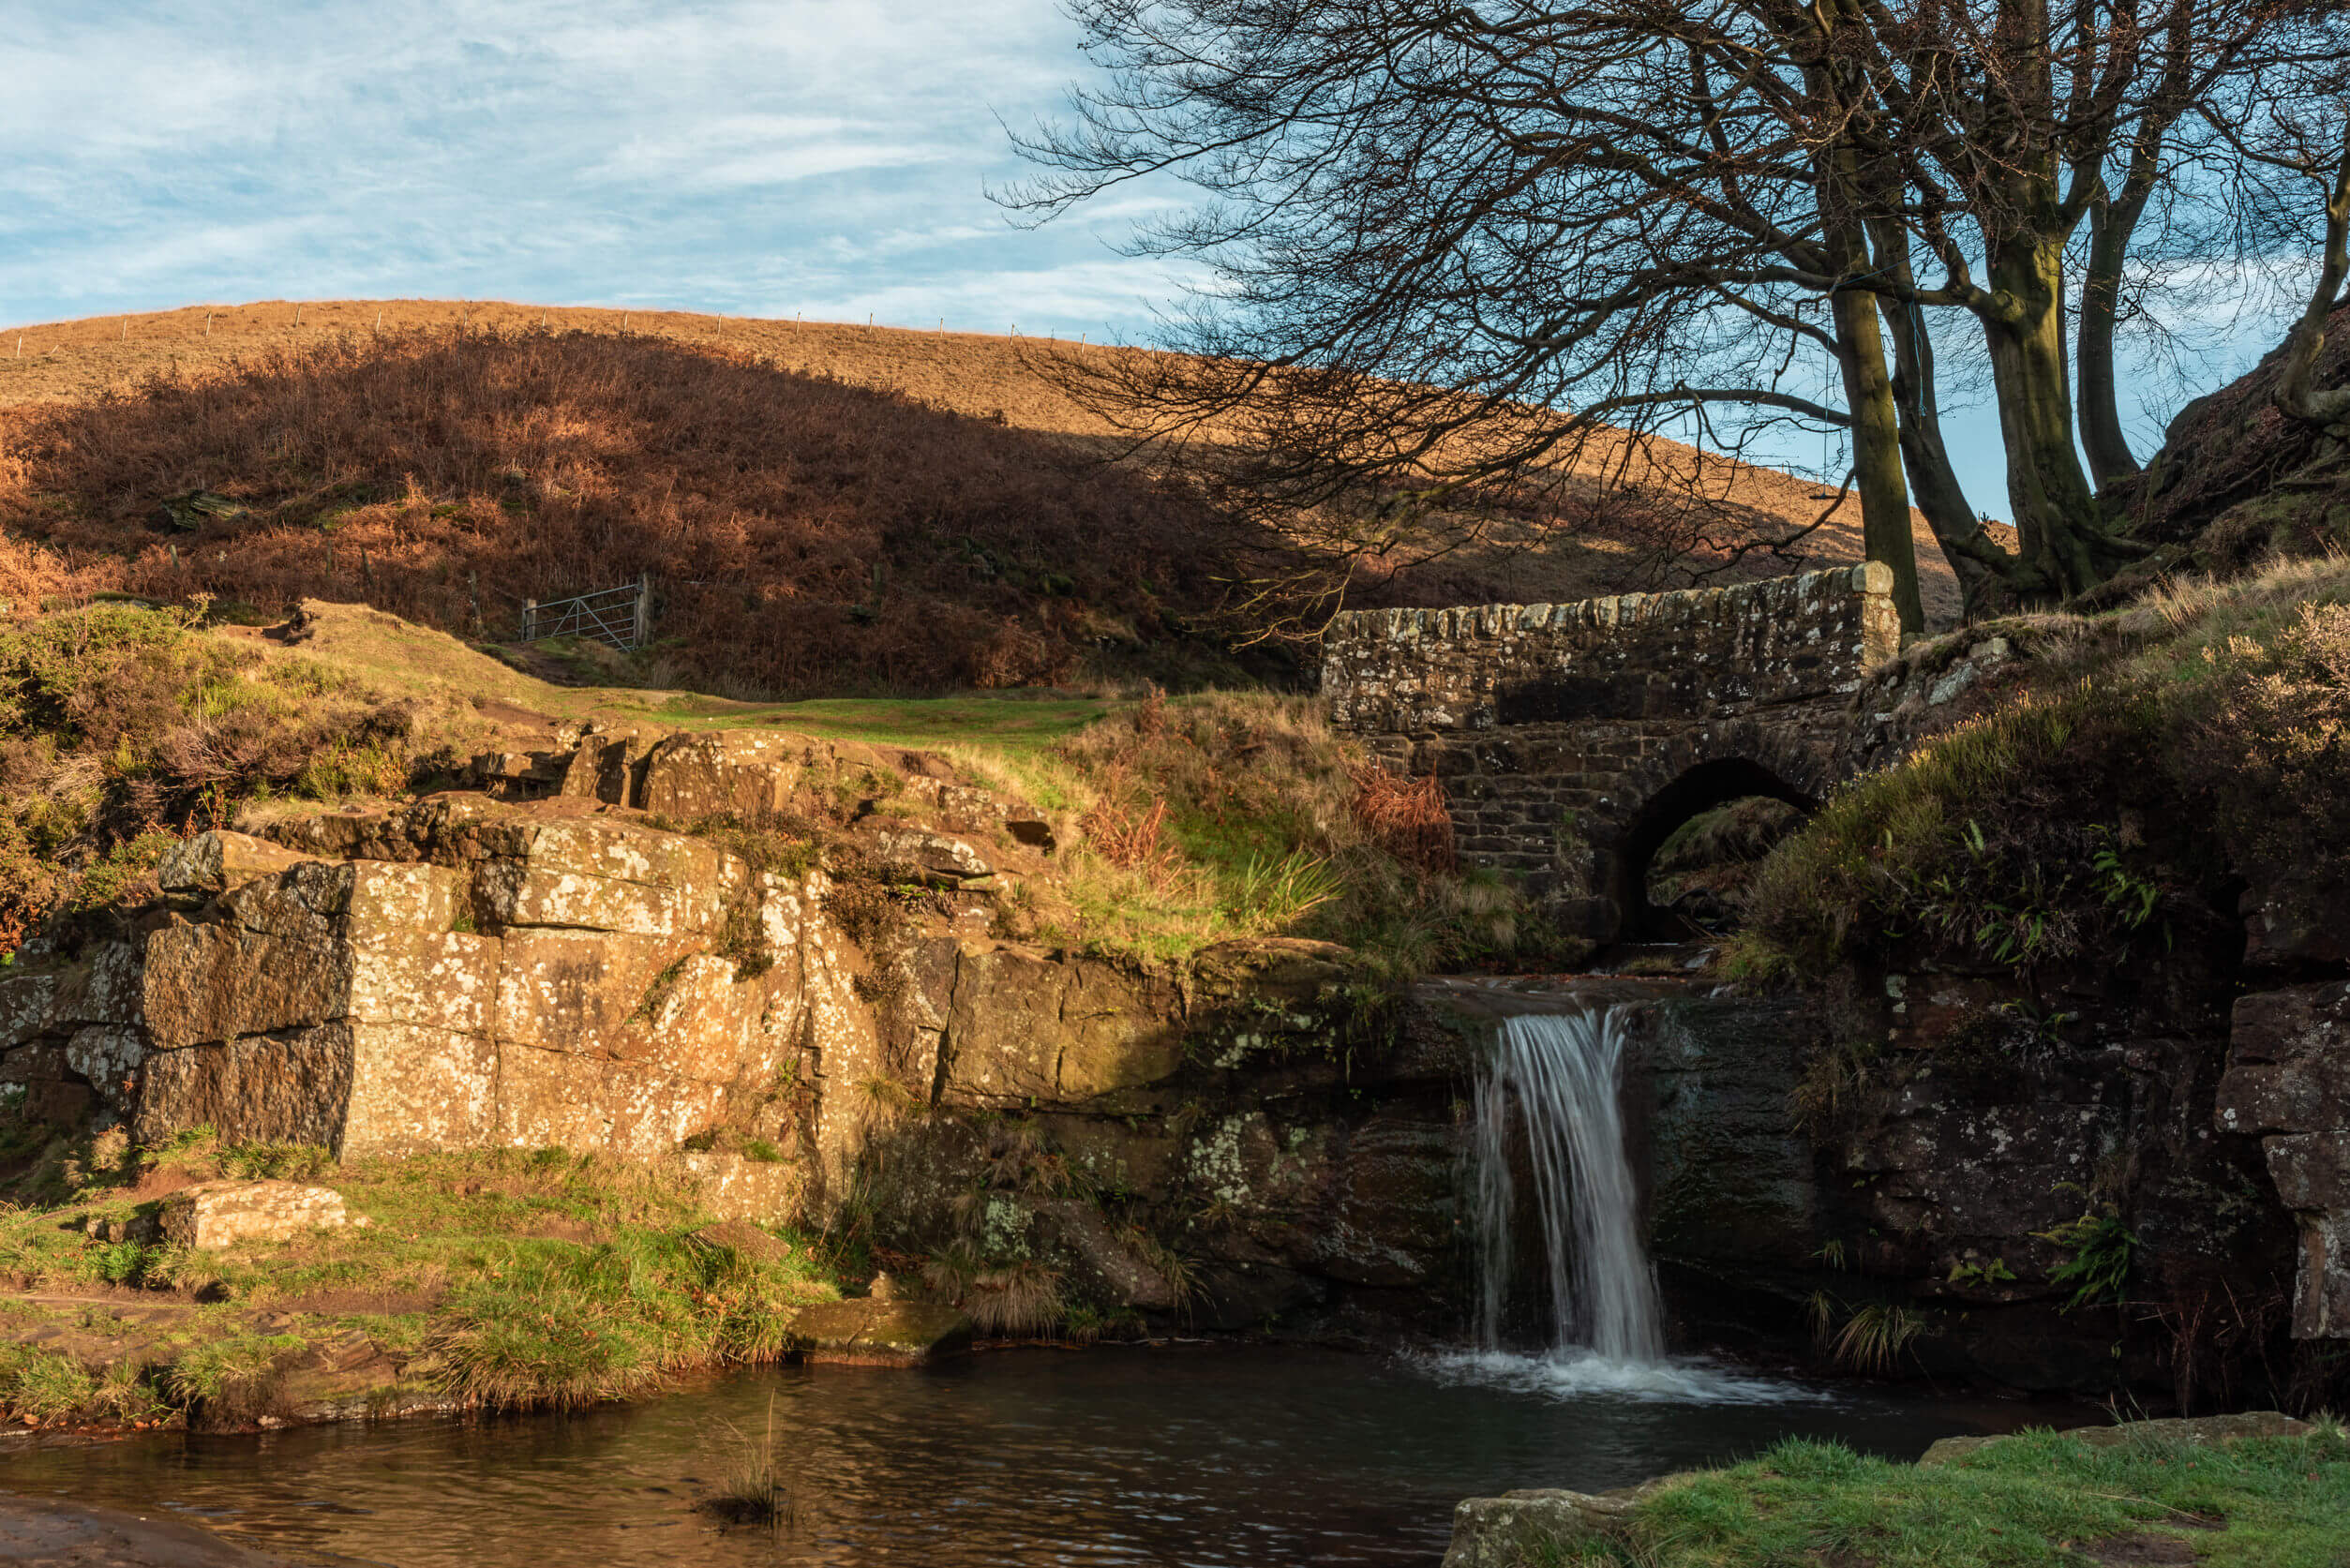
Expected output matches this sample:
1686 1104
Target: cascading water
1557 1078
1559 1075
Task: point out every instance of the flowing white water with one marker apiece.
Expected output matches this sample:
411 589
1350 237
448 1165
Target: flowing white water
1557 1078
1562 1074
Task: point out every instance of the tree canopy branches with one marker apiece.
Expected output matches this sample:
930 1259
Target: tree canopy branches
1457 243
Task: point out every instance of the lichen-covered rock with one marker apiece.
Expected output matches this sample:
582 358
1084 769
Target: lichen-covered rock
936 857
211 1215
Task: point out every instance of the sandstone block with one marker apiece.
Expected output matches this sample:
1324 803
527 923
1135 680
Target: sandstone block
212 862
415 1088
512 894
434 978
226 978
763 1192
1004 1032
936 858
576 1102
577 991
1025 1023
690 776
1118 1031
700 1022
408 898
211 1215
287 1088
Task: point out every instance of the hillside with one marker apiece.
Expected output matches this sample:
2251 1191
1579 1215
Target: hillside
767 457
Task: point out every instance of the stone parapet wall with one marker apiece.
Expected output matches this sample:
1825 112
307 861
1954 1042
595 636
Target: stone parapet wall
1683 655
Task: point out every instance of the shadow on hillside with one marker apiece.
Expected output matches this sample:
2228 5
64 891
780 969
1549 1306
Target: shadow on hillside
805 535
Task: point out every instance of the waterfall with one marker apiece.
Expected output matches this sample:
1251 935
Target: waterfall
1561 1072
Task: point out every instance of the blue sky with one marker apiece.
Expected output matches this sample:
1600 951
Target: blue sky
826 157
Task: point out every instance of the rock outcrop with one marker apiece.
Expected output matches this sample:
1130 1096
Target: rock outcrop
825 990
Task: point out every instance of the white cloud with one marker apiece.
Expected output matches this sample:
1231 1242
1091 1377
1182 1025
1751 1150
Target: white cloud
700 154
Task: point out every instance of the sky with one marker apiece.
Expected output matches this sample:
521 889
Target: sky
831 158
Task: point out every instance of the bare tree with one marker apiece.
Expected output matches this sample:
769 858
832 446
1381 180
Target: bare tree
1460 245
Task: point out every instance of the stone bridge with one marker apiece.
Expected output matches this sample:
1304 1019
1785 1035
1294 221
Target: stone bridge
1573 739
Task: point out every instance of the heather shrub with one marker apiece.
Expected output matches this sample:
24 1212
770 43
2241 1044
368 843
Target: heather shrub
122 730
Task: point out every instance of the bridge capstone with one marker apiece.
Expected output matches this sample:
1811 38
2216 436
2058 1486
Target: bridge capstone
1571 739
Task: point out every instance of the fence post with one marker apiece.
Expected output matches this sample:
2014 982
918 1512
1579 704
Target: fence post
643 633
530 619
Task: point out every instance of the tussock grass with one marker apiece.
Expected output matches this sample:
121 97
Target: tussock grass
1222 814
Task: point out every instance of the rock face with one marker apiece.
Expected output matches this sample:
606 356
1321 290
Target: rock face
211 1216
1572 738
2289 1078
1240 1136
529 979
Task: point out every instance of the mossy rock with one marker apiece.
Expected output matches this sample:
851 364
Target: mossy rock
868 1332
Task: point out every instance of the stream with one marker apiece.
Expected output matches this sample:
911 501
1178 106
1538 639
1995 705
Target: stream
1211 1456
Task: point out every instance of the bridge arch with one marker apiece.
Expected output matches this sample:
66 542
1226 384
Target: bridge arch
1698 789
1573 739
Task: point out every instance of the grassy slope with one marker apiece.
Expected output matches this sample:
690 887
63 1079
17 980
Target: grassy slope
2114 784
979 375
2042 1498
489 1277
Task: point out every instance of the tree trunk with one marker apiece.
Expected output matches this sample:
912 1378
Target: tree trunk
2297 393
2055 509
1868 392
2111 225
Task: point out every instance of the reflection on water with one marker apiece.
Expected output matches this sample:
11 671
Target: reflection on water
1214 1455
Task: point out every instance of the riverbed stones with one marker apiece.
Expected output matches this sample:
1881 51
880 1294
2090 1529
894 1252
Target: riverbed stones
214 1216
